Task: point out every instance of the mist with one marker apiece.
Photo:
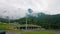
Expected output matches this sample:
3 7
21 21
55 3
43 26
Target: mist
18 8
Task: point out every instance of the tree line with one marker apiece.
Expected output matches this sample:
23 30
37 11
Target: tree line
43 20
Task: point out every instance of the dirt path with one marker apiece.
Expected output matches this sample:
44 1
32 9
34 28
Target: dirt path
57 32
13 32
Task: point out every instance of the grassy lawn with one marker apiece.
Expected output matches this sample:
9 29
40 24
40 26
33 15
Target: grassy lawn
3 26
6 26
38 33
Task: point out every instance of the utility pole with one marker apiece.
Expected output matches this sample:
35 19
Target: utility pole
26 22
9 20
29 11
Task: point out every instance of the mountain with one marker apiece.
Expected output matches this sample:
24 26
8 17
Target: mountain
45 20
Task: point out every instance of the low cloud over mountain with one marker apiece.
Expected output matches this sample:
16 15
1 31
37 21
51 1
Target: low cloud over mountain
18 8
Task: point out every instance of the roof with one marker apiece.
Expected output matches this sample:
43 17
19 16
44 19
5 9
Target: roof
29 26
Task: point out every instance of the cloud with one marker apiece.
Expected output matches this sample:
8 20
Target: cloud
11 10
53 7
12 7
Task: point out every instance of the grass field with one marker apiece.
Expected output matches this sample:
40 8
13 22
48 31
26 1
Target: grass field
40 32
5 27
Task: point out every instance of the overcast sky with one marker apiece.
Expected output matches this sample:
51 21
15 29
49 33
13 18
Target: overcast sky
18 8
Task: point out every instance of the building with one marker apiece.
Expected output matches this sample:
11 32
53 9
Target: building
29 27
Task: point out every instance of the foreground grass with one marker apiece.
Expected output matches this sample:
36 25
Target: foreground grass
3 26
38 32
7 26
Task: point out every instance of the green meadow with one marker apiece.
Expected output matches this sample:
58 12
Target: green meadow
40 32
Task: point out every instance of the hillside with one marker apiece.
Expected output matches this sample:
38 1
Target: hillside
44 20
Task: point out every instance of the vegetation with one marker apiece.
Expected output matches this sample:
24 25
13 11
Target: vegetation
41 19
40 32
5 27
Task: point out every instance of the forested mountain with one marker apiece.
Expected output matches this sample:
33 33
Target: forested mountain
44 20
